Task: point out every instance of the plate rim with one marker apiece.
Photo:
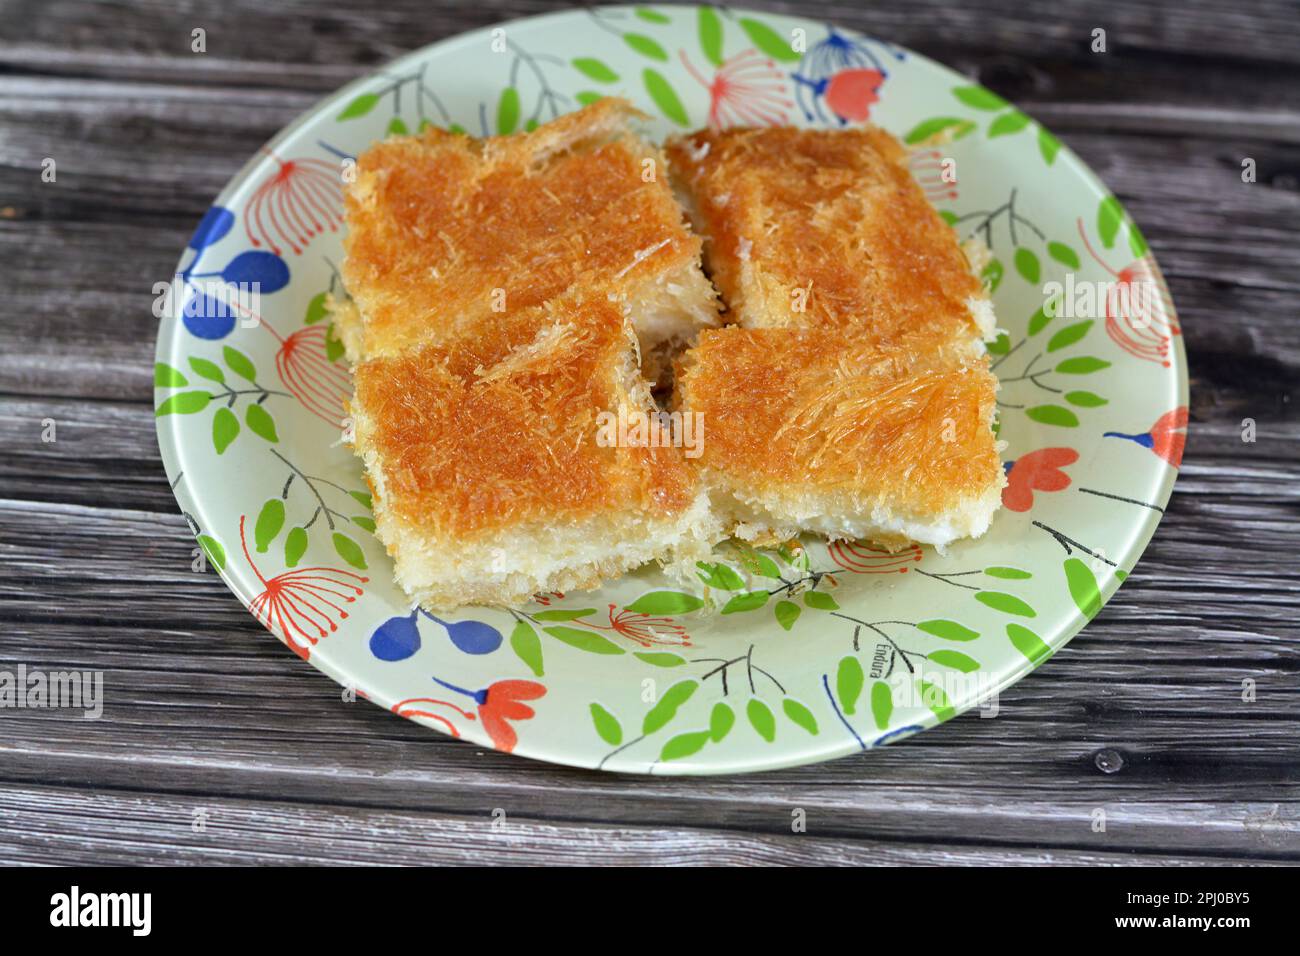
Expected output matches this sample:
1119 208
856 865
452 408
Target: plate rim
815 749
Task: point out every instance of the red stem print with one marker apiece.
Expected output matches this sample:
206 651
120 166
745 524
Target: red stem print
413 707
321 385
747 90
302 603
866 559
927 168
300 200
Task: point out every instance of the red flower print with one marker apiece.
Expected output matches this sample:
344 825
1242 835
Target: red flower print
296 203
1037 471
414 707
502 704
306 371
1139 312
862 558
747 90
1167 437
497 704
302 603
646 630
850 93
927 168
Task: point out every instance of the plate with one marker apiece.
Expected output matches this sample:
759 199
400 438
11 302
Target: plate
775 658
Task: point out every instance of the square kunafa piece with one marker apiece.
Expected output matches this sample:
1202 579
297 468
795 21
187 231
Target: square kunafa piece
854 399
491 482
446 231
827 228
807 431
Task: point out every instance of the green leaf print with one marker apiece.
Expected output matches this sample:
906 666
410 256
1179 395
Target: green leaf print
1057 415
561 614
745 602
164 376
184 403
977 97
1028 643
646 46
1069 335
269 522
665 97
684 745
239 363
225 429
360 106
849 679
1109 217
948 630
607 725
710 25
595 69
1048 146
1006 603
934 697
1027 265
666 603
316 309
587 641
1008 123
1063 254
769 41
1085 399
954 659
800 715
761 719
955 127
295 546
1009 574
720 576
666 709
787 612
659 659
820 600
652 16
261 423
528 647
508 111
213 549
721 719
1082 365
1083 587
882 704
349 550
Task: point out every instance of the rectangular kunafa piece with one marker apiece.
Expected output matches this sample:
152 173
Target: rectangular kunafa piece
503 295
854 399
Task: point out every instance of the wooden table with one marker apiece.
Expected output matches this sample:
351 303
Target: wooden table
209 720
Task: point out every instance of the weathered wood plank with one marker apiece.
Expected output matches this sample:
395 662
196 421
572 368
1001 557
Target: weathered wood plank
205 709
297 34
63 827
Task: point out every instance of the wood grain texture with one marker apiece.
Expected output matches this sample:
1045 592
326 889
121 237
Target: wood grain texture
204 711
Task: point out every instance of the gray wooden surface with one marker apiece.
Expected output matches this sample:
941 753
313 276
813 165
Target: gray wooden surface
209 719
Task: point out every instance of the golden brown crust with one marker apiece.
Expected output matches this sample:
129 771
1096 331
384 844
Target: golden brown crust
813 411
444 229
835 214
498 429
